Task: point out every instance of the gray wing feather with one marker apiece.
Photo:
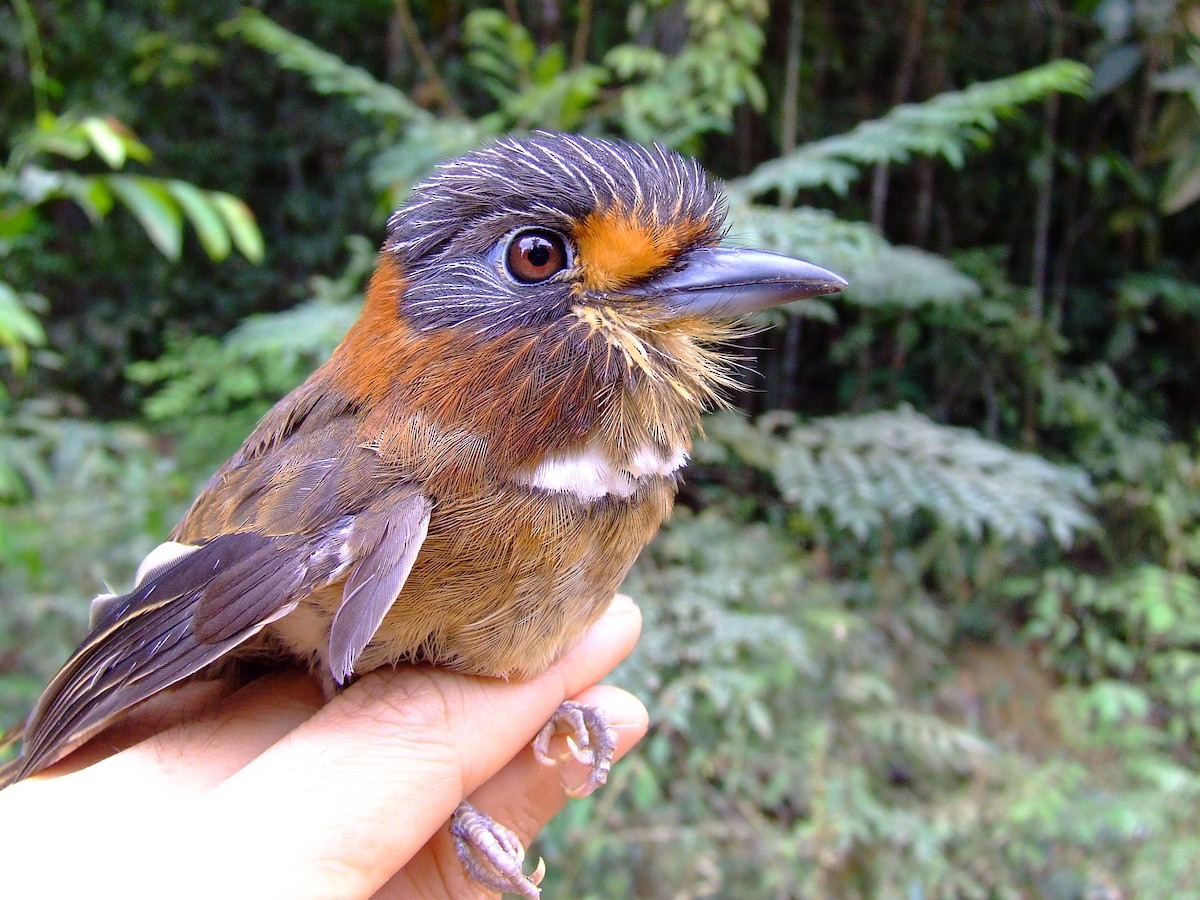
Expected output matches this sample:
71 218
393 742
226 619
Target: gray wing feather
377 579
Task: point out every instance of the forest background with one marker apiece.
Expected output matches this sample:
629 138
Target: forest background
926 623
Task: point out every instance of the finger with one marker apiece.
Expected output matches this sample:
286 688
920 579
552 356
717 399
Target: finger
188 759
65 784
345 800
196 755
163 711
523 796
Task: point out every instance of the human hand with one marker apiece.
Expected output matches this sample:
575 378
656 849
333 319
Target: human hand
274 792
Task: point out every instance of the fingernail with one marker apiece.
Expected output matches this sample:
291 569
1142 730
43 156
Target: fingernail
621 604
623 710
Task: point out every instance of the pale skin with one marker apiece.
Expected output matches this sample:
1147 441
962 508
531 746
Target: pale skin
272 792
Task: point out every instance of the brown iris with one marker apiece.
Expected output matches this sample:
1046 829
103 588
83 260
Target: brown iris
535 254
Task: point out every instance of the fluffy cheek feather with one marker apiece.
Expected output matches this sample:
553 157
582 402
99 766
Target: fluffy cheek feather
511 397
627 378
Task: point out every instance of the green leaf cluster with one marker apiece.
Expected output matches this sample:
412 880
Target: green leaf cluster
161 205
868 471
947 126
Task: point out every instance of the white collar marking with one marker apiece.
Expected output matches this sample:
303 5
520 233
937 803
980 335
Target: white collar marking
590 476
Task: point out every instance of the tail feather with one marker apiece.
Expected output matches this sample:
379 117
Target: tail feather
156 635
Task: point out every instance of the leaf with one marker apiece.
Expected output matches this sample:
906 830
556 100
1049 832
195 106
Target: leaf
328 74
204 216
242 227
1181 188
868 470
154 208
16 220
644 787
1116 702
19 328
91 192
53 134
105 141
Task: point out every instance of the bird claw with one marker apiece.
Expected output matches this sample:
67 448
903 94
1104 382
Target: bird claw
491 854
590 740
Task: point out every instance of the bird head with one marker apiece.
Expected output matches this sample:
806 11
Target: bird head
529 231
543 286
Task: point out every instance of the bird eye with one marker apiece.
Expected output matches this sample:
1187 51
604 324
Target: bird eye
535 254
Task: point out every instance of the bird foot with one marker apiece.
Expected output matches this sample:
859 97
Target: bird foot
491 854
590 740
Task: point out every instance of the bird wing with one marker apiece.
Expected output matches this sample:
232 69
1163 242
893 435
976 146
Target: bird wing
300 509
305 467
385 545
148 639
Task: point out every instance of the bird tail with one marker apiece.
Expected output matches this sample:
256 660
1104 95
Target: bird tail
10 769
160 633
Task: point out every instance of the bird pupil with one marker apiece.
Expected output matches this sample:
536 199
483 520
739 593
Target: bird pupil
538 252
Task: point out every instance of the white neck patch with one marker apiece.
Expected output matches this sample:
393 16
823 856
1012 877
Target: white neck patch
590 476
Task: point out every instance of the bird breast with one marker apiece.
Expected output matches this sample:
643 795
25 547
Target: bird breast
504 582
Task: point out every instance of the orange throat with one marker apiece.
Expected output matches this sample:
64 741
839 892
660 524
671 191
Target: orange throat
598 377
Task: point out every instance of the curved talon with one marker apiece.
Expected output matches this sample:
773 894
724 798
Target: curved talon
491 854
590 740
582 754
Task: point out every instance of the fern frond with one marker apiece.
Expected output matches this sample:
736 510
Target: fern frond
262 358
328 74
947 125
925 740
425 139
865 471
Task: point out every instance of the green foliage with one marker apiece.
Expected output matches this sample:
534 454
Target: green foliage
669 98
868 471
1115 628
532 89
1137 292
160 205
105 496
28 186
790 755
674 99
265 356
1134 35
210 392
1178 138
19 326
416 140
327 73
946 126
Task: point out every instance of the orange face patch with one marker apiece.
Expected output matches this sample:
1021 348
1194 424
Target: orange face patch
619 247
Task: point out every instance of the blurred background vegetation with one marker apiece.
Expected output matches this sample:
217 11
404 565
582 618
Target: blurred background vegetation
927 621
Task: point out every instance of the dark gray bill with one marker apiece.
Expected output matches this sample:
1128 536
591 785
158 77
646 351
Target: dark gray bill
720 281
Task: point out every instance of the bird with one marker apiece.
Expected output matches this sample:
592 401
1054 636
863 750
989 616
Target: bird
468 478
